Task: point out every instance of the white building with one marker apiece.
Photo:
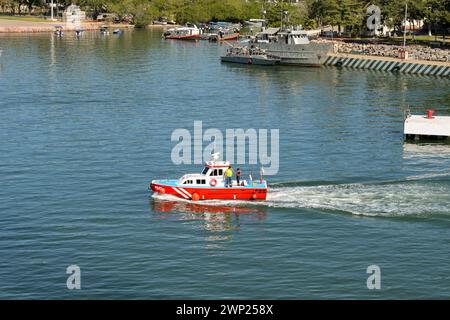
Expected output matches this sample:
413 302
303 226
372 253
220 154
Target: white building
73 15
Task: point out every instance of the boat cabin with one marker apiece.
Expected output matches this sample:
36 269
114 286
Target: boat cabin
275 35
213 170
293 37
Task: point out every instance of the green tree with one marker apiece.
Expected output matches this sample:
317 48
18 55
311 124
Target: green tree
437 15
31 3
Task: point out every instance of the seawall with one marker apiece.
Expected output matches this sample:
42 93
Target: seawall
422 67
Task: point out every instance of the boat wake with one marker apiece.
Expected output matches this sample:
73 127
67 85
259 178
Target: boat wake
424 195
395 199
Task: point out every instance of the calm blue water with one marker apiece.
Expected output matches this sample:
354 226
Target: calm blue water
86 123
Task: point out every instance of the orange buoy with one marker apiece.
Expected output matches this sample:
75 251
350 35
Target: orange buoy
195 197
254 196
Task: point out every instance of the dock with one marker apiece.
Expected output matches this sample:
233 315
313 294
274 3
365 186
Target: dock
426 126
420 67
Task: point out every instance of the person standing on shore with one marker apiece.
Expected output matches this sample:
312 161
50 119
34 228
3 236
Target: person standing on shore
228 175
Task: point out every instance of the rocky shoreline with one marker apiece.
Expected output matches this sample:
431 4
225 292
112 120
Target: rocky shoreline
415 52
17 26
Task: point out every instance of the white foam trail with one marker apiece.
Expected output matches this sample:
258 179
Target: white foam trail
429 176
395 199
411 199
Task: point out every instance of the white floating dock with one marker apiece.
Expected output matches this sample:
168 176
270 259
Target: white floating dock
422 125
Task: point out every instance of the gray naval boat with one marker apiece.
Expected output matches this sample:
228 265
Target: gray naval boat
249 55
292 47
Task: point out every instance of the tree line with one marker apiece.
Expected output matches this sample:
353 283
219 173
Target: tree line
344 14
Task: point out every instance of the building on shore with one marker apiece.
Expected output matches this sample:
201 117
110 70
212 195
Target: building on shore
73 16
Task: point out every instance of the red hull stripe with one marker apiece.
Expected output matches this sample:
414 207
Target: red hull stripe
182 194
185 192
233 193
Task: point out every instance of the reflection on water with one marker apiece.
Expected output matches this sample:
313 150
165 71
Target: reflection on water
442 148
99 112
216 218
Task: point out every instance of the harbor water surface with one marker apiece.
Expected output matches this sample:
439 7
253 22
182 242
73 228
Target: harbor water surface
86 123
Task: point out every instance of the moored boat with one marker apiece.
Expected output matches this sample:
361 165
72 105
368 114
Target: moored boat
210 184
59 31
188 32
251 55
104 30
224 36
293 47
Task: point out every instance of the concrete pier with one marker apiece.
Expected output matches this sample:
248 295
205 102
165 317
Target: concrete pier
433 68
422 126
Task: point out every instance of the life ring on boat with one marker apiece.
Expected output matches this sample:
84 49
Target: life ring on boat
213 182
195 197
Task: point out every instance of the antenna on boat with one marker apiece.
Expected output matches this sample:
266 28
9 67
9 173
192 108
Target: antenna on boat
261 172
215 156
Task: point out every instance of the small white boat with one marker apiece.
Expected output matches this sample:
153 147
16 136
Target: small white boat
252 55
59 31
188 32
104 30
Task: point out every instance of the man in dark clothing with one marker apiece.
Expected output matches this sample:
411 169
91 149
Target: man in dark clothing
238 175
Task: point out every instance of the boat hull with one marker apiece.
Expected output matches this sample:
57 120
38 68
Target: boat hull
189 37
226 37
229 37
258 192
311 55
256 60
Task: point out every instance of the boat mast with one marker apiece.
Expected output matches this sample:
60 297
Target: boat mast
404 28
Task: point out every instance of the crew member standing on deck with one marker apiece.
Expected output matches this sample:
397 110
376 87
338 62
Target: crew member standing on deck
228 175
238 175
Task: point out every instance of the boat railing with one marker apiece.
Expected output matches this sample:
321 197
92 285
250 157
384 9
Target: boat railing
246 51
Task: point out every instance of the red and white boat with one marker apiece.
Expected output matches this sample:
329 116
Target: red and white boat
188 32
210 184
224 36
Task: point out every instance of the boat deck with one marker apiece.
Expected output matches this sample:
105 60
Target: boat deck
256 184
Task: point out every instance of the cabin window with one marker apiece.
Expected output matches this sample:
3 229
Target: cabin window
188 182
205 170
220 172
201 181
